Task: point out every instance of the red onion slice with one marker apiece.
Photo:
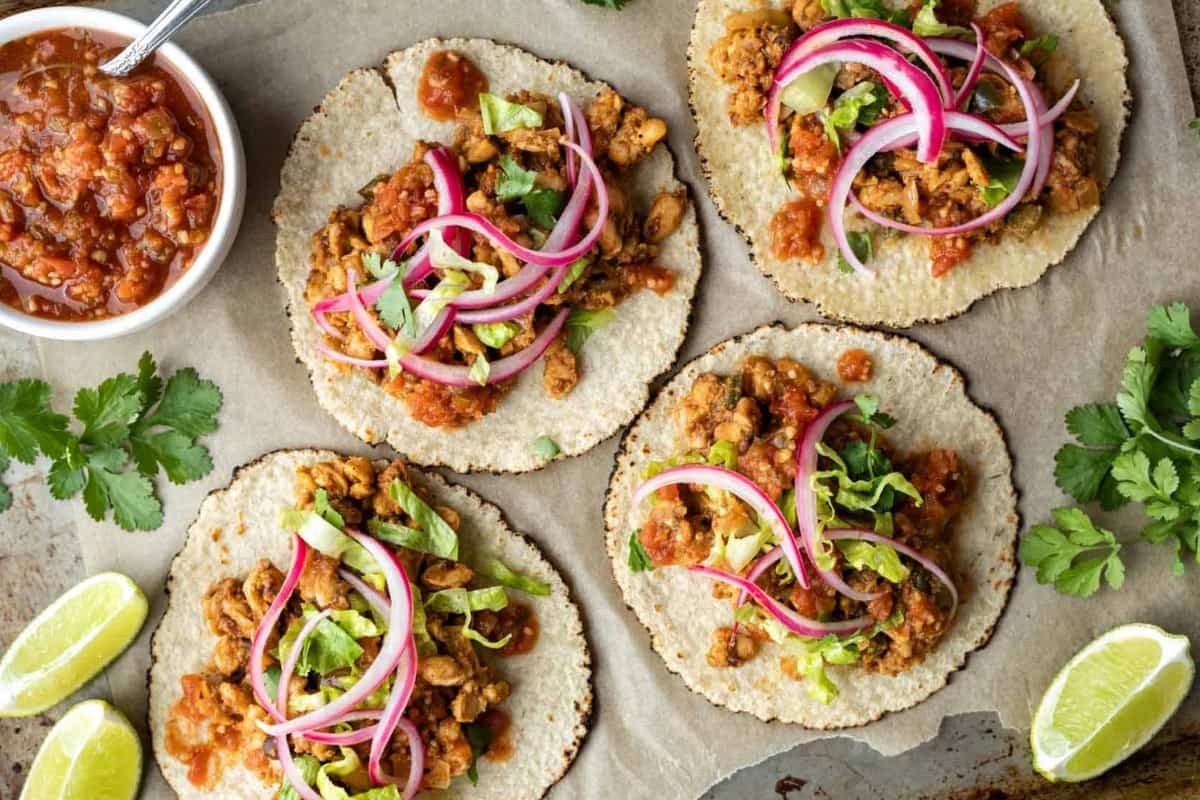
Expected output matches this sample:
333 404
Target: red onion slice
914 86
975 70
837 30
756 571
546 258
451 200
806 498
261 634
500 370
739 486
564 103
393 712
398 636
378 601
797 624
348 738
911 552
282 749
519 308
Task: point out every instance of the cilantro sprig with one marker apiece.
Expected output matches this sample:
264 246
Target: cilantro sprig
1142 448
130 427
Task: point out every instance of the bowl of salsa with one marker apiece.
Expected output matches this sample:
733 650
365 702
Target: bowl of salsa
119 197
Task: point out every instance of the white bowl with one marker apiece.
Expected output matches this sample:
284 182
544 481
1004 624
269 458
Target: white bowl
233 184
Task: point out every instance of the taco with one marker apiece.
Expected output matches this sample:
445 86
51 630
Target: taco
859 139
342 629
495 212
816 525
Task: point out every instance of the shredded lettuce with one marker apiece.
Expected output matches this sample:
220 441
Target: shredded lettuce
328 513
639 559
453 283
856 493
882 558
810 92
308 768
582 323
413 538
317 532
348 764
862 103
723 454
546 447
926 23
655 467
424 642
442 538
480 370
573 272
497 570
329 647
445 257
357 624
500 116
873 9
496 334
466 602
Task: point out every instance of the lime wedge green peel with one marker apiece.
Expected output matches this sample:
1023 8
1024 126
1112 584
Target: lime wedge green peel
92 753
69 643
1109 700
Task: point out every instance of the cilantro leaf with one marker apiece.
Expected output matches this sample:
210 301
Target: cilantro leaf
28 424
189 405
514 182
639 559
1056 554
6 498
108 410
1172 324
1004 174
544 206
1193 125
395 309
479 736
132 425
861 246
1097 425
129 493
1080 472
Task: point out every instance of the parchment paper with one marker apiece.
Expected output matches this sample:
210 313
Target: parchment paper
1029 355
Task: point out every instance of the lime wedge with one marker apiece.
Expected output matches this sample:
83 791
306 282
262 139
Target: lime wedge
1109 700
69 643
93 753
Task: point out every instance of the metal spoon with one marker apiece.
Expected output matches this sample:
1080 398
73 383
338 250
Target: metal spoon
177 14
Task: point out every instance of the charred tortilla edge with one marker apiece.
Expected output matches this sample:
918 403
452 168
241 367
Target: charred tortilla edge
827 302
596 409
571 728
768 694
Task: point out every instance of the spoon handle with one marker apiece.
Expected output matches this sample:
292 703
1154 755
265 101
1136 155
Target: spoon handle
173 17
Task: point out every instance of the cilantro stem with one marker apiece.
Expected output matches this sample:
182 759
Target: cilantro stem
1170 442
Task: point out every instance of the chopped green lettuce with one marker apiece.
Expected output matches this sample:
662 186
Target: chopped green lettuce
425 643
413 538
348 764
480 370
871 9
926 23
329 647
443 540
573 272
466 602
882 558
809 92
546 447
723 454
862 103
582 323
308 768
496 334
497 570
500 116
445 257
318 533
327 512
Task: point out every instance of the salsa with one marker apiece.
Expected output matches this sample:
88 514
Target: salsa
450 83
108 186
